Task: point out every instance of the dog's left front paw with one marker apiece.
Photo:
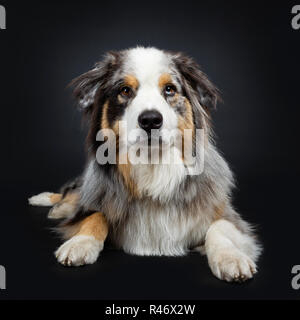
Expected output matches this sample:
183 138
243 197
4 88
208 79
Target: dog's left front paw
79 250
232 265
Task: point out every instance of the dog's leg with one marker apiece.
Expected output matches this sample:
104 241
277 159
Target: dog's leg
62 206
231 253
87 242
45 199
65 207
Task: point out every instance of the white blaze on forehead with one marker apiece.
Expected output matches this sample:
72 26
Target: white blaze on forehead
147 64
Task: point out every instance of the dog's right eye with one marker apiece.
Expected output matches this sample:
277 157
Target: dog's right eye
126 92
170 90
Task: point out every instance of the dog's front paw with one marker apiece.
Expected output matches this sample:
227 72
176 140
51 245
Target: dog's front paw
79 250
44 199
232 265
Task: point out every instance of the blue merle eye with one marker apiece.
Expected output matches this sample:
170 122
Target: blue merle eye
170 90
126 92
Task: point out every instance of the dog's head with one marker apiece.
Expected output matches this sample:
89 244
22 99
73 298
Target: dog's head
149 89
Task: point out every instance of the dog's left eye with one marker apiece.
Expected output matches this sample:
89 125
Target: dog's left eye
126 91
170 90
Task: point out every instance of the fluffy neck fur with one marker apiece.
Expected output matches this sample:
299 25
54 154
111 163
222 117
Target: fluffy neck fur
104 189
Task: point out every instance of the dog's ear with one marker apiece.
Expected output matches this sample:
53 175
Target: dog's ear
88 85
196 84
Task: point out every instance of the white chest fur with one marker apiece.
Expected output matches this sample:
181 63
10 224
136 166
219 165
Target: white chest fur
149 231
160 230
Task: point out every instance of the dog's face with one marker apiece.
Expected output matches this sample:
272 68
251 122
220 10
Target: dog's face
150 95
151 91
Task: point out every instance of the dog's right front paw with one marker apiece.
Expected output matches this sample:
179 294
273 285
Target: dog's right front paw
79 250
44 199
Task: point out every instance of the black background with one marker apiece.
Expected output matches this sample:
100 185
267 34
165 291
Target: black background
248 49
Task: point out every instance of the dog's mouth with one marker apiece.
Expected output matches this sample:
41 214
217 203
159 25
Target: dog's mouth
154 142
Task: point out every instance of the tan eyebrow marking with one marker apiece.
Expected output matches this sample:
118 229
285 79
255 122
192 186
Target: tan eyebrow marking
131 81
164 79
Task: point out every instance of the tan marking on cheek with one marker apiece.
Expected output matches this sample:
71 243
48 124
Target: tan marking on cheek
124 169
187 123
94 225
55 198
115 128
131 81
104 121
164 79
189 115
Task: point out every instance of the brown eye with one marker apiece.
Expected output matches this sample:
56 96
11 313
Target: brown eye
126 92
170 90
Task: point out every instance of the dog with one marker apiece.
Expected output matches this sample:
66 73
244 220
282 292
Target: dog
159 209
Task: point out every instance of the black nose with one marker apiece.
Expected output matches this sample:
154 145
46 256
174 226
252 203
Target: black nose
150 119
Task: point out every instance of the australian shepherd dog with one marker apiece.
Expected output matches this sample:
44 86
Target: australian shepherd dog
139 103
